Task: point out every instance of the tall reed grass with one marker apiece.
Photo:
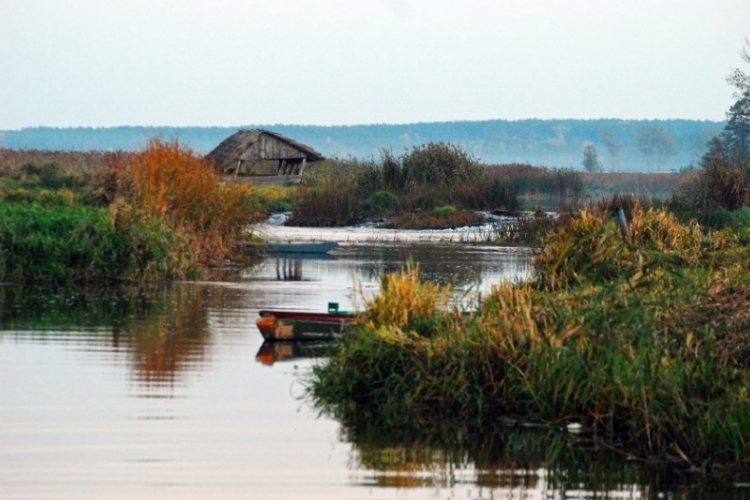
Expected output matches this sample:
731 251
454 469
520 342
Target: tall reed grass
639 341
531 180
432 175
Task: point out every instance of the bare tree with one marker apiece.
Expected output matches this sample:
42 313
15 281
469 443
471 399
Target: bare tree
738 78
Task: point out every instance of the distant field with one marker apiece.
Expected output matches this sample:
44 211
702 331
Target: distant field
70 161
535 185
658 185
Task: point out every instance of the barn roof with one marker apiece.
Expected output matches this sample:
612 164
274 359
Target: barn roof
231 149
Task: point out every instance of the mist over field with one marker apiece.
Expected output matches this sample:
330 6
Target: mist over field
621 145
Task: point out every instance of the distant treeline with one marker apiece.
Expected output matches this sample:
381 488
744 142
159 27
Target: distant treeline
621 145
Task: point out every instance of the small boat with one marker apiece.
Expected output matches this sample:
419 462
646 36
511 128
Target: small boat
280 248
308 250
304 326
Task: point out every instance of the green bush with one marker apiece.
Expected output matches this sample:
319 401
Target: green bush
722 218
82 244
380 204
443 211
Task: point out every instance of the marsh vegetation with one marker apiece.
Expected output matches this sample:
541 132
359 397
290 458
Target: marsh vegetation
158 213
642 341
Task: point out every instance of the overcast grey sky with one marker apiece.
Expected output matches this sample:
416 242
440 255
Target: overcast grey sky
331 62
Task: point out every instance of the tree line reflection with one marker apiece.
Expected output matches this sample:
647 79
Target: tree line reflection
163 329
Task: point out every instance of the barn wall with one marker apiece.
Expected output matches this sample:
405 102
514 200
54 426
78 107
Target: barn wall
268 147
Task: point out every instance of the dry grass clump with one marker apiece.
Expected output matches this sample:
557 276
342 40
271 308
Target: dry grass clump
424 220
593 248
643 342
406 304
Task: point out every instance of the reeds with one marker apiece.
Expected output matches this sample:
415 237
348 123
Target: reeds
71 162
641 342
339 192
530 180
436 220
158 213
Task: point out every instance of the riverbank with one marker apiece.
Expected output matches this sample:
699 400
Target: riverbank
640 341
273 229
161 213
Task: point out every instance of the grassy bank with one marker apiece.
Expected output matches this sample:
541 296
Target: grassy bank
642 341
340 193
55 243
410 186
158 213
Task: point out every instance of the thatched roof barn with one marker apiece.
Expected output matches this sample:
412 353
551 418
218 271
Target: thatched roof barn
237 152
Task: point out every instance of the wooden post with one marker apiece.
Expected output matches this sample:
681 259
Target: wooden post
237 170
302 165
623 222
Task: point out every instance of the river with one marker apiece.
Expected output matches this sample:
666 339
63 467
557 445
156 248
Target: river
167 391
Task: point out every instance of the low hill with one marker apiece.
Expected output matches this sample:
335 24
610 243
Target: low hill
622 145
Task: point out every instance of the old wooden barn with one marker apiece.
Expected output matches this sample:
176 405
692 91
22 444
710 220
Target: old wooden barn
251 152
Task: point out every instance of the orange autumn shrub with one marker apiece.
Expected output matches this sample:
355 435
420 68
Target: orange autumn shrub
170 182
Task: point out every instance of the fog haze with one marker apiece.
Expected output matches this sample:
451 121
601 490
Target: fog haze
336 62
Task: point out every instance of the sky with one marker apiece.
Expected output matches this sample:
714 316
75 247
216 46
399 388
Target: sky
67 63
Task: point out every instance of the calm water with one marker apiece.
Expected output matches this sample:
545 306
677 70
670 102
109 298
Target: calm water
168 392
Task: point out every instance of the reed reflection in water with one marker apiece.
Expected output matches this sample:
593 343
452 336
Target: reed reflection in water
514 460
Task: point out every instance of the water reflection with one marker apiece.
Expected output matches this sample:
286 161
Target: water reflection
164 391
274 352
511 460
463 266
163 329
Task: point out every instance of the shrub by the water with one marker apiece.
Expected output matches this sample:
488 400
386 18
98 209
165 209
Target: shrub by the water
339 192
720 186
329 195
158 213
170 182
645 342
78 243
443 211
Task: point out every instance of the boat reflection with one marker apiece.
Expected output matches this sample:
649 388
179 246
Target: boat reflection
279 351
